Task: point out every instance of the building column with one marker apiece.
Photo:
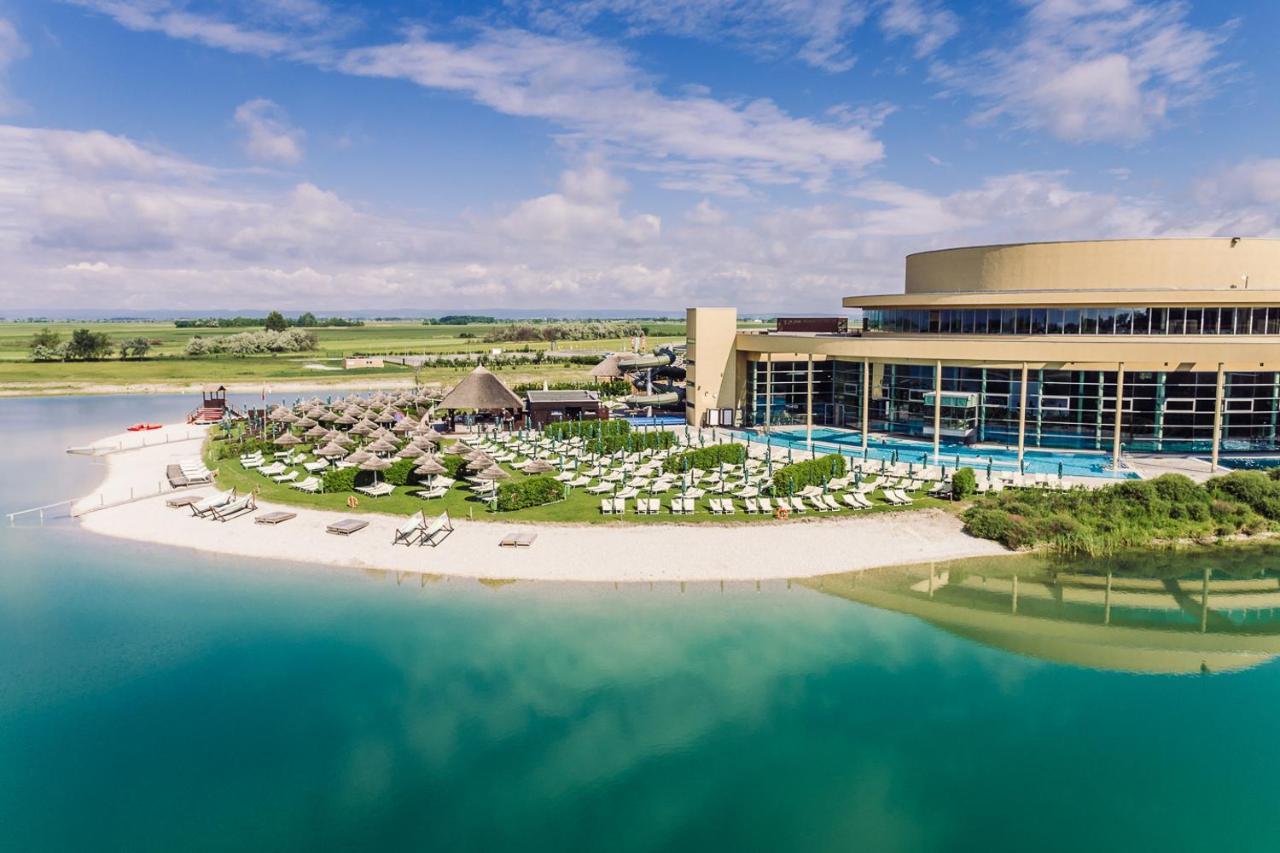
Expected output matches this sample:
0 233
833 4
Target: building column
1217 418
867 400
1115 438
808 403
1161 378
937 409
768 392
1022 416
1275 409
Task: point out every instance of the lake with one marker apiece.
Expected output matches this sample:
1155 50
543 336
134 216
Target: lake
153 699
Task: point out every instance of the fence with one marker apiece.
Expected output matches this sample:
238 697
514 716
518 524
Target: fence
61 509
125 444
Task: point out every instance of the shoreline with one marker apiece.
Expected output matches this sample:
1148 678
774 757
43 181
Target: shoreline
291 386
614 552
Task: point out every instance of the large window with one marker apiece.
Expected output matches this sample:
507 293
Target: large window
1204 320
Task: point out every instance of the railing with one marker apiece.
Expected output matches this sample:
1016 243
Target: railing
123 444
122 497
42 511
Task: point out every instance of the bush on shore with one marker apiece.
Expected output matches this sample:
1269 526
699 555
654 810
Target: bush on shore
1131 514
706 458
790 479
531 491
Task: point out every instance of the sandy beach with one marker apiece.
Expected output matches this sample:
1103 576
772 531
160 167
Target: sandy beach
604 552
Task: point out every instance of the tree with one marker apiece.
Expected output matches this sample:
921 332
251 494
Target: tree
134 348
44 345
307 320
88 346
964 483
276 322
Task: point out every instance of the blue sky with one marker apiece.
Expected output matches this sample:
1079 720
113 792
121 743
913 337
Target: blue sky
606 153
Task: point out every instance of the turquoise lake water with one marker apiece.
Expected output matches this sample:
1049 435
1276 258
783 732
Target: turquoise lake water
152 699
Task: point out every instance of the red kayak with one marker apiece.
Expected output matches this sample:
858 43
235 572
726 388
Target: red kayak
141 427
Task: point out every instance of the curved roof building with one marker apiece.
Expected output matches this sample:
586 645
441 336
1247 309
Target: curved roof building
1168 346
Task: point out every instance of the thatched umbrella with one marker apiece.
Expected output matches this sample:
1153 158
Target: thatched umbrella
410 451
382 446
327 417
429 465
538 466
281 415
345 420
387 417
305 423
479 463
375 464
360 457
316 431
288 440
364 428
429 433
317 412
332 451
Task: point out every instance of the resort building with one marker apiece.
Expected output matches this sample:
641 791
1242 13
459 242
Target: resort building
1161 346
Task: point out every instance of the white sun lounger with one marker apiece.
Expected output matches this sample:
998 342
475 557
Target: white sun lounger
206 506
831 502
235 508
288 477
311 484
272 469
317 466
377 490
410 531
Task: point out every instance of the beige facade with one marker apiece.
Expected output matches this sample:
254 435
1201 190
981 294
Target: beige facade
1160 312
710 362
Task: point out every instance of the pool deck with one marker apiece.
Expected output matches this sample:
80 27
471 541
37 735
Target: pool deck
613 551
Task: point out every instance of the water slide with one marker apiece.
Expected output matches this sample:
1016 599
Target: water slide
640 369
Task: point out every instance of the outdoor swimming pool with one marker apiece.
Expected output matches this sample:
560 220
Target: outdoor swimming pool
1070 464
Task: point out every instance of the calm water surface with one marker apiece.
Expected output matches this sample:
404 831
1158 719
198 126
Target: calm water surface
151 699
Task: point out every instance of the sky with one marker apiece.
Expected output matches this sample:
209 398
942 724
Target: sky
775 155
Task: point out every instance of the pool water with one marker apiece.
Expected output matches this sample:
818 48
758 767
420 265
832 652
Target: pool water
154 699
952 454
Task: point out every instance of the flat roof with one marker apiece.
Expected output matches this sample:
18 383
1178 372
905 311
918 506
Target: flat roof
569 396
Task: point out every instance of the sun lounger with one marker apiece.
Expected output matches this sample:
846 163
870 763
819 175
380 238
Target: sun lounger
816 503
288 477
411 530
797 504
433 494
831 502
862 501
518 539
235 508
346 526
851 501
619 506
689 504
626 494
606 506
727 507
677 506
311 484
316 467
600 488
765 504
437 530
751 505
206 506
377 490
276 517
716 506
272 469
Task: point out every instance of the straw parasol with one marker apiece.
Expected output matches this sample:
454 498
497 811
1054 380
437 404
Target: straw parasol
332 451
382 446
538 466
345 420
316 431
479 463
429 433
405 426
281 415
288 440
410 451
375 464
305 423
481 391
430 466
360 457
327 417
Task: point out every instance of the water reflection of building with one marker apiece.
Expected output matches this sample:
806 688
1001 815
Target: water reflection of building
1184 625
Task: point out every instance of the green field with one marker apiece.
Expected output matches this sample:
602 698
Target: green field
167 367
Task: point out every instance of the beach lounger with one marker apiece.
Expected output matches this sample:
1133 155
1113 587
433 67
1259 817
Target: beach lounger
851 501
727 507
286 478
677 506
316 467
311 484
797 504
206 506
862 501
411 530
816 503
831 502
628 493
619 506
346 526
436 530
272 469
600 488
234 509
518 539
690 505
433 493
276 517
765 504
606 506
377 490
751 506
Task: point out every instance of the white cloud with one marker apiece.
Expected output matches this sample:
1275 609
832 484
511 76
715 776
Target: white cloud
269 138
594 91
929 23
1094 70
706 213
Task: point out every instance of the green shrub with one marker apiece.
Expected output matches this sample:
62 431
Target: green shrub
812 472
706 458
964 483
531 491
339 479
400 472
1255 489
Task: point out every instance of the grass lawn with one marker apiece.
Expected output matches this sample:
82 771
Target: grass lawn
579 508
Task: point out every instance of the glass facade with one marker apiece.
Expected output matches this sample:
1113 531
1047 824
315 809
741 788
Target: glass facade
1167 411
1075 321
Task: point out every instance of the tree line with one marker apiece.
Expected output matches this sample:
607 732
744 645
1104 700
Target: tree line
275 322
84 345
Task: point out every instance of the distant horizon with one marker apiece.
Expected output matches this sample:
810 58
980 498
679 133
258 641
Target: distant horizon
513 314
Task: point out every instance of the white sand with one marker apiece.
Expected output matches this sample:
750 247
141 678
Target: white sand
603 552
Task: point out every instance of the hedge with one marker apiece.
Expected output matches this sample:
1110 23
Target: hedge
340 479
531 491
706 458
964 483
790 479
610 436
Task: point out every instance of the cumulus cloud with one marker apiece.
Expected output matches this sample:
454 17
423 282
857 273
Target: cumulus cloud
269 138
929 24
1094 70
143 229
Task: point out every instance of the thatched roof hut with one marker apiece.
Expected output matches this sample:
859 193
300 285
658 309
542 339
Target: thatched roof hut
606 369
481 391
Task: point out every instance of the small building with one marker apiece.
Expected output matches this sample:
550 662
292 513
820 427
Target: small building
548 407
361 362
